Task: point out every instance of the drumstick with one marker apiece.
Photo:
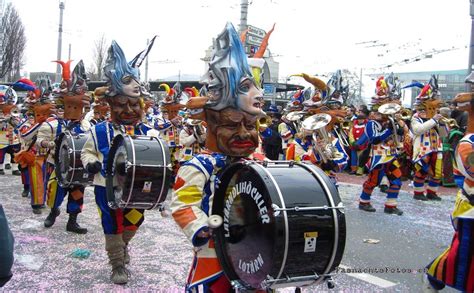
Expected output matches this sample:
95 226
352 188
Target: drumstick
214 221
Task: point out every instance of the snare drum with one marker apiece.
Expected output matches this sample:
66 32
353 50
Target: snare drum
138 172
67 159
283 224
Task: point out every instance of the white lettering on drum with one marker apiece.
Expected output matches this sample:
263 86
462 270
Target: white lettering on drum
252 266
245 188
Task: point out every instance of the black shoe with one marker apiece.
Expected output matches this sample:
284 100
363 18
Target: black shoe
25 192
2 172
367 208
37 211
51 218
433 196
393 211
8 166
16 172
420 197
73 226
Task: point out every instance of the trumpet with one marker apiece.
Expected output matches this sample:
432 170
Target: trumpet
451 122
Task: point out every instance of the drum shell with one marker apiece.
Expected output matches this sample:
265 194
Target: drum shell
67 160
298 187
147 173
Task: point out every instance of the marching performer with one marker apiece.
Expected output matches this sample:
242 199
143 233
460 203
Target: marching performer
382 135
125 96
170 123
30 156
192 138
427 145
231 110
9 142
455 266
356 131
70 101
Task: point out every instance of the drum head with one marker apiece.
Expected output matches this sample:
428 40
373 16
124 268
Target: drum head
116 170
245 241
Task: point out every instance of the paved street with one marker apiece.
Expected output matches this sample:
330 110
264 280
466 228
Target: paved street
161 255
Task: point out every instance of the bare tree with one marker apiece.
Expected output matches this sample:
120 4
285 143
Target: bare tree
12 43
95 70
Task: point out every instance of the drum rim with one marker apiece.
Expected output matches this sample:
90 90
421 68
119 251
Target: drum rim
164 181
334 212
132 183
285 215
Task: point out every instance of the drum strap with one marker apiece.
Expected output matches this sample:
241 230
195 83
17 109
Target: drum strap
104 134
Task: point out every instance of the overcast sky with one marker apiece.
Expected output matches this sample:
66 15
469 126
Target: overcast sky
310 36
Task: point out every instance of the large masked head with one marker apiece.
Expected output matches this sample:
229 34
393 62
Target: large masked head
125 92
71 95
233 102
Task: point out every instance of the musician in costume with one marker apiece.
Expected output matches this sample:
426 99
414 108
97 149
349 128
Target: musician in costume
317 140
356 130
231 110
9 141
100 110
70 100
191 138
169 123
125 95
455 266
427 144
32 157
382 134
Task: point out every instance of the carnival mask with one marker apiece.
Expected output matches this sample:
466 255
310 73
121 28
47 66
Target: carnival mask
125 110
232 131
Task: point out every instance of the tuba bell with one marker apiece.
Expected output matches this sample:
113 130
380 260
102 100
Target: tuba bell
295 118
390 109
317 125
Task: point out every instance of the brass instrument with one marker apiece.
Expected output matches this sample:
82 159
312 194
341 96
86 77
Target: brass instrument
317 125
406 114
390 109
295 117
346 125
264 122
451 122
198 128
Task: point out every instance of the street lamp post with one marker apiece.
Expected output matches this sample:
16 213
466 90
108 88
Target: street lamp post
471 43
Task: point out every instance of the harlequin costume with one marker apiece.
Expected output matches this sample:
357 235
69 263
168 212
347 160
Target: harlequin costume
383 163
125 95
427 145
31 156
332 157
229 114
9 141
455 266
70 100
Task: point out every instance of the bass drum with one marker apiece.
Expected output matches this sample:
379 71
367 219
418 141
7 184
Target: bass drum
283 224
138 172
67 159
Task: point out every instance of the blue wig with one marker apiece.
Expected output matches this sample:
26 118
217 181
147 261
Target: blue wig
227 68
116 67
